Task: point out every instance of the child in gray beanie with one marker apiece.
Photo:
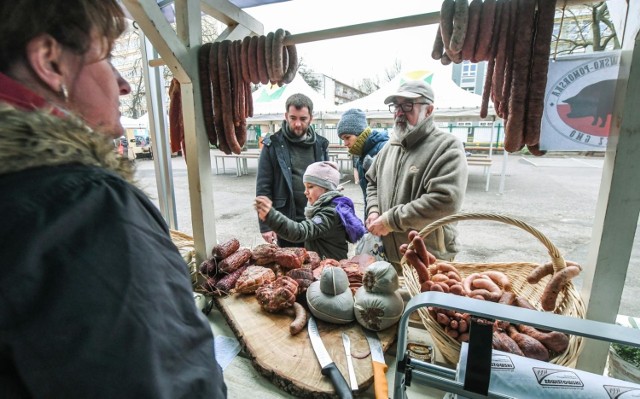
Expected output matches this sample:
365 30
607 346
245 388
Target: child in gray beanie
331 220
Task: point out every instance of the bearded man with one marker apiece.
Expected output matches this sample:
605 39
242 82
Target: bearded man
284 159
419 177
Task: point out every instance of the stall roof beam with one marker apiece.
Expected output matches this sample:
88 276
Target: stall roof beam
231 15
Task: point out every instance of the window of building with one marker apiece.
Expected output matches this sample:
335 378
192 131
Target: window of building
469 69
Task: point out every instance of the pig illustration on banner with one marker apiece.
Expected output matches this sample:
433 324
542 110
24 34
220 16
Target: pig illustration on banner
579 102
595 100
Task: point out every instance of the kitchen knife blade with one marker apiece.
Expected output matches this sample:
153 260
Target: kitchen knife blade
380 385
328 366
352 373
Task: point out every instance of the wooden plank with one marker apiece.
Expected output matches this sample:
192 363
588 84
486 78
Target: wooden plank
288 360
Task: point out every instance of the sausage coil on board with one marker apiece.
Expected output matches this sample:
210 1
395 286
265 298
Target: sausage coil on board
226 98
205 92
514 127
217 98
292 69
473 27
539 69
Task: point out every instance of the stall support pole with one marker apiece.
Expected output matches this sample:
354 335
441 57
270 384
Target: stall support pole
153 80
617 210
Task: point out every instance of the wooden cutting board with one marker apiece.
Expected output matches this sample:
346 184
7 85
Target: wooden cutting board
288 360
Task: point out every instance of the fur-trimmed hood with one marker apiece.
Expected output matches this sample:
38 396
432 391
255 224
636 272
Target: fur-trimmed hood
30 139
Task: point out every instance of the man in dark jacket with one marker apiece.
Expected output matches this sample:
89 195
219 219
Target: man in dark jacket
283 160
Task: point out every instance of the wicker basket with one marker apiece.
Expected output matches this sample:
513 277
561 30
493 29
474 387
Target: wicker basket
569 301
187 249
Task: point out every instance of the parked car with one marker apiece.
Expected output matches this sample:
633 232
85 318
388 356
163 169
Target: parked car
141 146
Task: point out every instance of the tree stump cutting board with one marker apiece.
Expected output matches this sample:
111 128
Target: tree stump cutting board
288 360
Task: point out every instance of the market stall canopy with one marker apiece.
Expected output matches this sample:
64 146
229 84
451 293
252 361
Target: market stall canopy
269 100
450 99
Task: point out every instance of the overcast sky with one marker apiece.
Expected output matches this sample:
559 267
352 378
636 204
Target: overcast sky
351 59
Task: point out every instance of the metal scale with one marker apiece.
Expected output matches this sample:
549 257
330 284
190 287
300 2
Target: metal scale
478 365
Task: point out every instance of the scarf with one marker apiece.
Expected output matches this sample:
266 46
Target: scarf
358 145
306 140
30 139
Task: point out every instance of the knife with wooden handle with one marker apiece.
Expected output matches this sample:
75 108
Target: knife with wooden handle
380 385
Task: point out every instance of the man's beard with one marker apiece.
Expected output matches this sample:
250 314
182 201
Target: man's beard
402 127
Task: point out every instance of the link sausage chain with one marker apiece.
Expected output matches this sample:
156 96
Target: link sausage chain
226 70
514 36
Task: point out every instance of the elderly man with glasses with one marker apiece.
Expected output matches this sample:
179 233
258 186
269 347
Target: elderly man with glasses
419 177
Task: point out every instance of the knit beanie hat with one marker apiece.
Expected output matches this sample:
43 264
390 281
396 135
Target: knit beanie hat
354 121
324 174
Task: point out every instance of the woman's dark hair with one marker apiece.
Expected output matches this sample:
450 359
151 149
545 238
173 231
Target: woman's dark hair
70 22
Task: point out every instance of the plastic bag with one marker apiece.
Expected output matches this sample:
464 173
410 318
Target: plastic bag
371 245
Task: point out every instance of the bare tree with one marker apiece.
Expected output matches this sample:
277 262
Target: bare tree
583 27
369 85
309 75
393 70
128 61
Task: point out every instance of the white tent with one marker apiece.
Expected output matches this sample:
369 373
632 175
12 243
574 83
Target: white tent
450 100
130 123
269 101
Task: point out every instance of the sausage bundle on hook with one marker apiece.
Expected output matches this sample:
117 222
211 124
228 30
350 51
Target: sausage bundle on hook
226 70
514 36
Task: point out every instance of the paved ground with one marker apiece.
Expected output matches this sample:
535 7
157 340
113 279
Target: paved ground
555 195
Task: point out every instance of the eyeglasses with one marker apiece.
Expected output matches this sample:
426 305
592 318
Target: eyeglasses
405 107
